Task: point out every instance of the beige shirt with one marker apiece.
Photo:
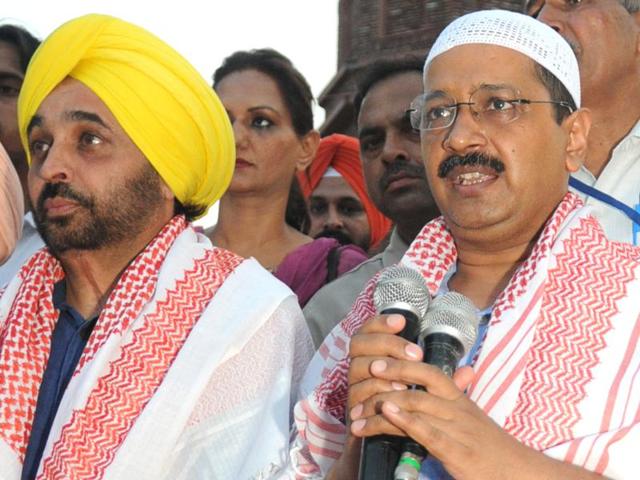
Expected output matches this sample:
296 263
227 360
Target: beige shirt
332 302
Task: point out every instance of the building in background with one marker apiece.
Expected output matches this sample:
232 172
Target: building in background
369 30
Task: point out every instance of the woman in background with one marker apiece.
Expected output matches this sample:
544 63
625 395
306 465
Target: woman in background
11 207
269 105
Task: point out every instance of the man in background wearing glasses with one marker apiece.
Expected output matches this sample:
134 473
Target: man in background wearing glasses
549 389
605 36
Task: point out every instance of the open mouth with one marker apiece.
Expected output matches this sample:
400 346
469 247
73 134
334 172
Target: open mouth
471 178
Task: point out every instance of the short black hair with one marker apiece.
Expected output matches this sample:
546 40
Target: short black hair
191 212
24 43
557 91
296 214
293 87
381 69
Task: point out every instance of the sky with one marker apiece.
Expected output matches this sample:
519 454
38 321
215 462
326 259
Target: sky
205 32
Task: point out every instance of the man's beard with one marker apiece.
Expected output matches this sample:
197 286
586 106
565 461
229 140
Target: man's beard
122 213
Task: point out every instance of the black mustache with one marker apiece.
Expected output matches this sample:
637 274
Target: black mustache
471 159
62 190
339 235
400 167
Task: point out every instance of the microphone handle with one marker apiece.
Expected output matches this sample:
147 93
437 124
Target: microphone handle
443 351
411 330
380 453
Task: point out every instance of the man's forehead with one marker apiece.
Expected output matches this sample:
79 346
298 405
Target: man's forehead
390 96
333 188
9 60
397 84
72 95
73 102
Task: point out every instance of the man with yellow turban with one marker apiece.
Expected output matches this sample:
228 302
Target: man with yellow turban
130 347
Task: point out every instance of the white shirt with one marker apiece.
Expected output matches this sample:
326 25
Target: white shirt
620 179
29 243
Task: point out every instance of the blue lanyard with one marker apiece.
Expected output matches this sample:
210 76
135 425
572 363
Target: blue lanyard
608 199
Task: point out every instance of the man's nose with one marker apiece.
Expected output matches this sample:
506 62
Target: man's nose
56 166
334 219
466 134
394 148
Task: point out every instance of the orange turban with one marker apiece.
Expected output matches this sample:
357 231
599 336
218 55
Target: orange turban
343 154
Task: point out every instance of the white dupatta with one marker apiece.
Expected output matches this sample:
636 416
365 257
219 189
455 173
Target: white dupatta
559 368
140 404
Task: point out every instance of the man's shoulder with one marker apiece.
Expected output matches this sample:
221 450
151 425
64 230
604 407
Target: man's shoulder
357 276
332 302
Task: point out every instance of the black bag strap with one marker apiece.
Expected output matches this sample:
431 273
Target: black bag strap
333 261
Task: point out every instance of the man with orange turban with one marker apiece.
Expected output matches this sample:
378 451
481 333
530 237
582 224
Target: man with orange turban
396 181
120 341
338 203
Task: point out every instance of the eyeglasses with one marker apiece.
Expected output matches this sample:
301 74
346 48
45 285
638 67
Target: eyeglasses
489 105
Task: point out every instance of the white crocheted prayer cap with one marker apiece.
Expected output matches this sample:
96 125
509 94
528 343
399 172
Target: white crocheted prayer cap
518 32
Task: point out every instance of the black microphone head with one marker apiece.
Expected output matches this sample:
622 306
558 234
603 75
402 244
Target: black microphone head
455 315
403 288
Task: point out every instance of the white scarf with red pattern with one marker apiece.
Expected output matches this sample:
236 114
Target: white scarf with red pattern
141 403
559 368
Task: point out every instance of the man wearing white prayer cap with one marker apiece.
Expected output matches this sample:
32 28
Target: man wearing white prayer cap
547 385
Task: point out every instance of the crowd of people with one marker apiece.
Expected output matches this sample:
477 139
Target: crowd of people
504 166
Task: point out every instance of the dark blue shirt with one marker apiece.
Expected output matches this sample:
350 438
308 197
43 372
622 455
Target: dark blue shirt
69 338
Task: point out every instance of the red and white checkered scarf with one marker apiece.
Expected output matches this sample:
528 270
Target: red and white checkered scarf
131 348
559 365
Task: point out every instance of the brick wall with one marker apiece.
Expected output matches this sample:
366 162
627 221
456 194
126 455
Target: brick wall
373 29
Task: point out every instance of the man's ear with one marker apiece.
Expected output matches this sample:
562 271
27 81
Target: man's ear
533 7
576 126
308 148
167 194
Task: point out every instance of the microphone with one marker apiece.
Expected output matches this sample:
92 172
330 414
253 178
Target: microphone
449 331
402 290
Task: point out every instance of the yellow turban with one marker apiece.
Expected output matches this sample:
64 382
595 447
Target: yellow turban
159 99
